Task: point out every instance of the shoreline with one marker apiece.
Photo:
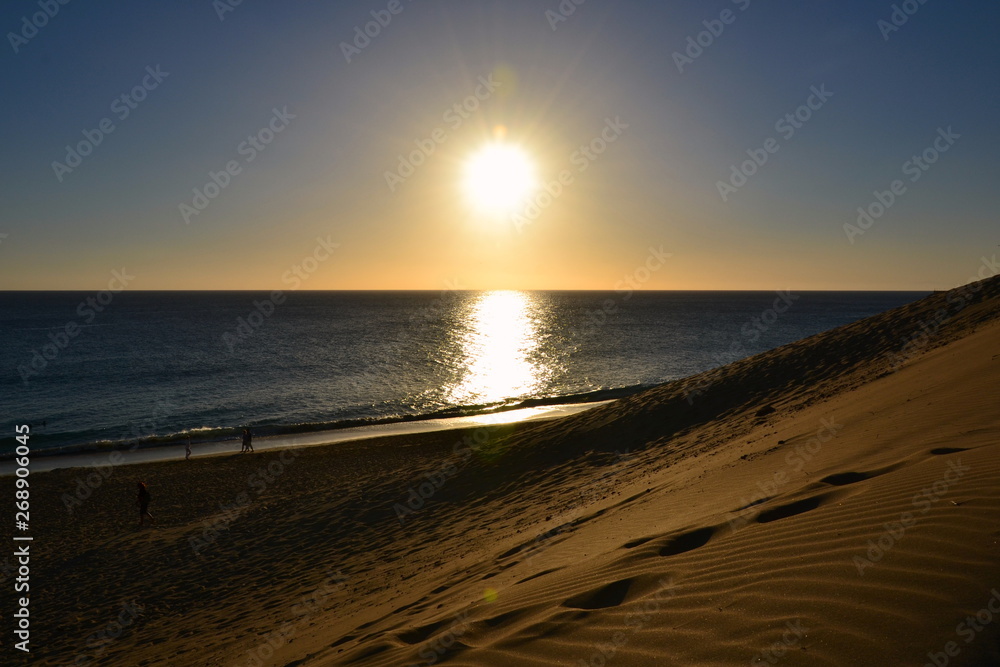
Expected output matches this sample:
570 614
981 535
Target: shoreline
210 435
47 462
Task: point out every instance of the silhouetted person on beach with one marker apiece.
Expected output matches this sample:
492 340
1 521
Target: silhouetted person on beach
143 502
247 441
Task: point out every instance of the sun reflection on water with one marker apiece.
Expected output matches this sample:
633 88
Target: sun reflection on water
499 348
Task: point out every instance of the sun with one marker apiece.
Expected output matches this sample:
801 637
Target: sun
499 178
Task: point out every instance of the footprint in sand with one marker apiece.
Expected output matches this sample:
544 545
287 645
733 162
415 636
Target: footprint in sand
793 508
609 595
677 544
941 451
688 541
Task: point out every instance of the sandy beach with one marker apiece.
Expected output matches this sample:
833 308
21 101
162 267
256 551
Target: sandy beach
835 501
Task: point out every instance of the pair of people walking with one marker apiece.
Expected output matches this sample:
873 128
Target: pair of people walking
247 441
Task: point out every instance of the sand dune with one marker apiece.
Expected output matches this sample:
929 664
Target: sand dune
831 502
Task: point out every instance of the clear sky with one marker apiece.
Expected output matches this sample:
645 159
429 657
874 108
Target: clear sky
679 125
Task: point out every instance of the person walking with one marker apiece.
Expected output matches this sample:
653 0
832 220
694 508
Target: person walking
143 502
249 441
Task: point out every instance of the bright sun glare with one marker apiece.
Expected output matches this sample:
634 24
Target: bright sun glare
498 349
499 178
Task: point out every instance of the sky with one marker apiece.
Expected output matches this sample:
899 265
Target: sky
347 157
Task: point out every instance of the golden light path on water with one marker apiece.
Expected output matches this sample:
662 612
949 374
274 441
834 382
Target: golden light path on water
498 349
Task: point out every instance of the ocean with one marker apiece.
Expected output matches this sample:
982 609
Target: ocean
94 370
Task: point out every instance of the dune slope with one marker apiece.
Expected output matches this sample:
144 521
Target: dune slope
829 502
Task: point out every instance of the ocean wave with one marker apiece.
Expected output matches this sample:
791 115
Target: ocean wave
208 434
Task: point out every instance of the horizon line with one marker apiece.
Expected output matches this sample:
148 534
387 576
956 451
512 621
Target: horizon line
501 289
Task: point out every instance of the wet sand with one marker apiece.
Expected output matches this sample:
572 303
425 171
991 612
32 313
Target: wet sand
133 455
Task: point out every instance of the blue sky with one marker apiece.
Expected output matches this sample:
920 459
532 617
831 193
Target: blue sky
324 175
